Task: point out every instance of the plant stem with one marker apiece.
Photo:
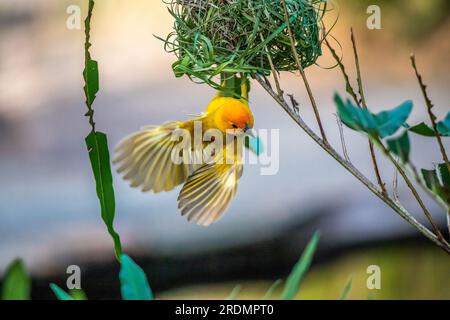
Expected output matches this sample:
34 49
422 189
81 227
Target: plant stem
364 105
87 57
349 87
302 73
429 105
412 188
272 67
402 212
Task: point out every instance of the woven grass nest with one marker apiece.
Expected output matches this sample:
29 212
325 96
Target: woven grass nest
214 37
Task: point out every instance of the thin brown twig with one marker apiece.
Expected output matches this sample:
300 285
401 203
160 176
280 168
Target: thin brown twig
354 171
386 151
412 188
341 66
341 135
429 105
302 73
395 187
364 105
272 67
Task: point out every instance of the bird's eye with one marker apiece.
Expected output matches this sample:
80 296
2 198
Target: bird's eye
234 126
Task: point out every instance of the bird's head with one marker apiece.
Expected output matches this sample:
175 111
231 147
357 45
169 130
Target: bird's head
234 116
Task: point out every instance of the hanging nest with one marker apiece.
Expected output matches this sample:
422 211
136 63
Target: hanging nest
213 37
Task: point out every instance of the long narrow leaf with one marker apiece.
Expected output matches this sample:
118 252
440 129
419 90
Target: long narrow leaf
346 290
234 293
60 293
99 156
272 289
97 143
295 278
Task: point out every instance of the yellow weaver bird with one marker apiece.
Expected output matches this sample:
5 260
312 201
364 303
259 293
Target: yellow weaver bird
145 159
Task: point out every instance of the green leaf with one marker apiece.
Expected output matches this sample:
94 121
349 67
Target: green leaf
440 187
16 283
90 75
354 117
422 129
90 72
97 145
400 147
133 281
445 174
272 289
78 294
60 293
381 125
443 127
254 144
390 121
234 293
298 272
346 290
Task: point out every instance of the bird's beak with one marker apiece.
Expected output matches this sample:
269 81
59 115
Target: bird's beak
250 133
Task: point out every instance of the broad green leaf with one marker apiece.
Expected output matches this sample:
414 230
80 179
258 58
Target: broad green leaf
60 293
16 282
400 147
381 125
346 290
422 129
133 281
97 145
443 127
354 117
90 75
254 144
295 278
390 121
440 187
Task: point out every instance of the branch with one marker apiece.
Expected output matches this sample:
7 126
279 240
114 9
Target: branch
354 171
302 73
429 105
412 188
364 105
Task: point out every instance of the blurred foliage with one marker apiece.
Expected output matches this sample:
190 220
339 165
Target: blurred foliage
133 281
407 272
60 293
410 19
16 283
298 273
380 125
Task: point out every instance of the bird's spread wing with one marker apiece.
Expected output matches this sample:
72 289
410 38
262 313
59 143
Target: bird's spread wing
145 159
208 192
